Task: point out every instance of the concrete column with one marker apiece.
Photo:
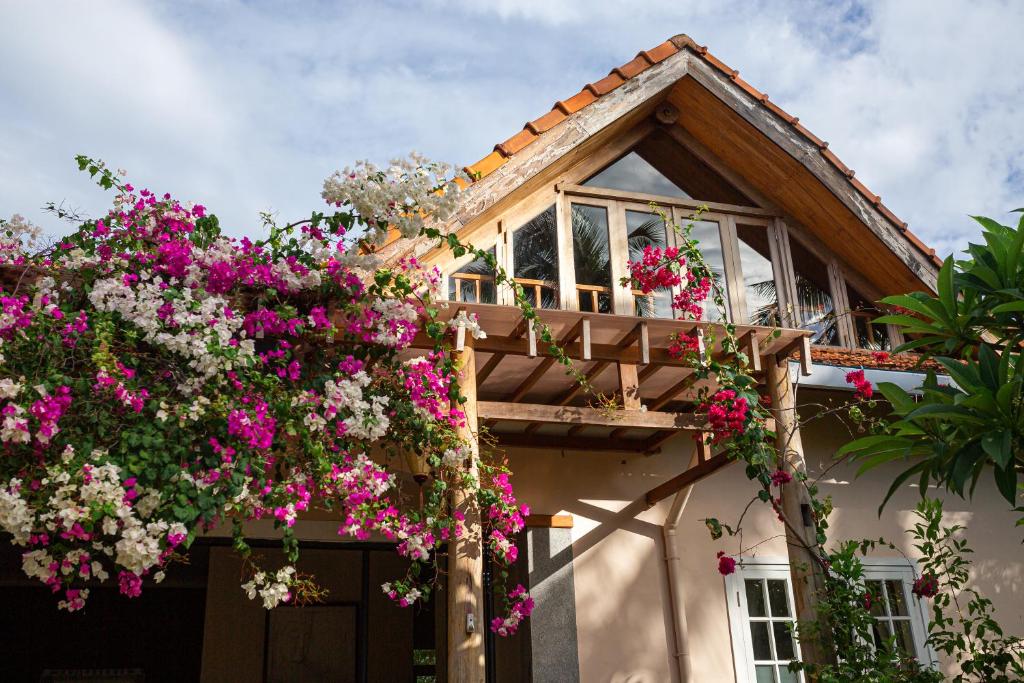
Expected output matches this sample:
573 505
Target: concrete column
553 645
465 555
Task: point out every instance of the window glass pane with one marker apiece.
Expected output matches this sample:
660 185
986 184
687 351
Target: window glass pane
473 283
645 229
632 174
904 638
814 308
755 598
535 255
778 597
864 312
709 241
759 638
783 640
591 258
874 589
897 598
787 676
758 275
765 673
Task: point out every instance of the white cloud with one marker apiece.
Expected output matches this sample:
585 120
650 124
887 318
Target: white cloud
245 106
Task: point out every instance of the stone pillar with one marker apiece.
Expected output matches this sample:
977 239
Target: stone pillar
807 574
553 645
465 555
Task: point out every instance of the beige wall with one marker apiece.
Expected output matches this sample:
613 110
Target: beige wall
624 627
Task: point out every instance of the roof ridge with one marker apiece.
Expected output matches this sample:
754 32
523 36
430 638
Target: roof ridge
647 59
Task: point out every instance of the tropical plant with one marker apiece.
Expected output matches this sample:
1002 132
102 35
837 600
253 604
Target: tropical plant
952 431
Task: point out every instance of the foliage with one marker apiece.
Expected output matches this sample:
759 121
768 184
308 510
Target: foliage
159 379
968 632
951 433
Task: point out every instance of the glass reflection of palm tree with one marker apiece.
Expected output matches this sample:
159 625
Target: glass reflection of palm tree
809 298
535 253
650 233
592 259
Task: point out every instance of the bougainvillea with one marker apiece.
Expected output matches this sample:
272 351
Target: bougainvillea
159 379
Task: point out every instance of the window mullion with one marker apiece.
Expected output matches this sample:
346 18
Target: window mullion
618 252
566 267
733 270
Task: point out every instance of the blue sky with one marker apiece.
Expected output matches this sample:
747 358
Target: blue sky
248 106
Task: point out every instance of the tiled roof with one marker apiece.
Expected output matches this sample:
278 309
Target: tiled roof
862 358
647 59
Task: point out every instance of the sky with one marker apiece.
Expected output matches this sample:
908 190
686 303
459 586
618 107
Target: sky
247 106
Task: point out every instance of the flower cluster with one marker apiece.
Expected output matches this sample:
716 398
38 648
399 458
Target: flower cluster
664 268
520 609
726 564
926 586
272 588
863 387
727 414
159 378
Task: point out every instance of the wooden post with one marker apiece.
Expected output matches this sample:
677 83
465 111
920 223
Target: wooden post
808 579
466 554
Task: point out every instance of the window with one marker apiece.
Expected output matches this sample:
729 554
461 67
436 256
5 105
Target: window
870 335
473 283
535 259
708 236
645 229
592 258
761 617
814 309
759 289
899 616
632 174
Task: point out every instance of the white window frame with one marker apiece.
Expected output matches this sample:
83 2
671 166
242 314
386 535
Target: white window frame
875 569
897 569
739 621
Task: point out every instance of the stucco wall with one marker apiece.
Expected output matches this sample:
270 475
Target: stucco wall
624 627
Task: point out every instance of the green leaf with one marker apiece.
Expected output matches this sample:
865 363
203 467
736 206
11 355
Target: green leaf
1006 482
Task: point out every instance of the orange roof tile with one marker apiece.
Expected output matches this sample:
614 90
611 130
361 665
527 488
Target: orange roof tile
648 59
862 358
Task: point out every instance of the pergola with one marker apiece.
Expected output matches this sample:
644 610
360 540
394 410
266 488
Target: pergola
517 389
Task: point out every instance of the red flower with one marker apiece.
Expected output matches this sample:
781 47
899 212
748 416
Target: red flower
927 586
861 383
726 565
880 356
780 477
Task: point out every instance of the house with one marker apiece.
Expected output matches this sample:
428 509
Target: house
617 555
620 563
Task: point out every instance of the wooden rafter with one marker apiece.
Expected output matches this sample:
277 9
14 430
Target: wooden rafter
547 362
574 415
496 358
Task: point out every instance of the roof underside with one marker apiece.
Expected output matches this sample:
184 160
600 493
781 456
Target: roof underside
748 133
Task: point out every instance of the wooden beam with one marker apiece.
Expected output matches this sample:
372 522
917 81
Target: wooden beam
807 574
496 358
672 392
466 656
749 340
629 386
596 417
590 376
542 367
690 476
660 200
550 521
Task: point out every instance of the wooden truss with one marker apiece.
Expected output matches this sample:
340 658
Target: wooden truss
526 399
